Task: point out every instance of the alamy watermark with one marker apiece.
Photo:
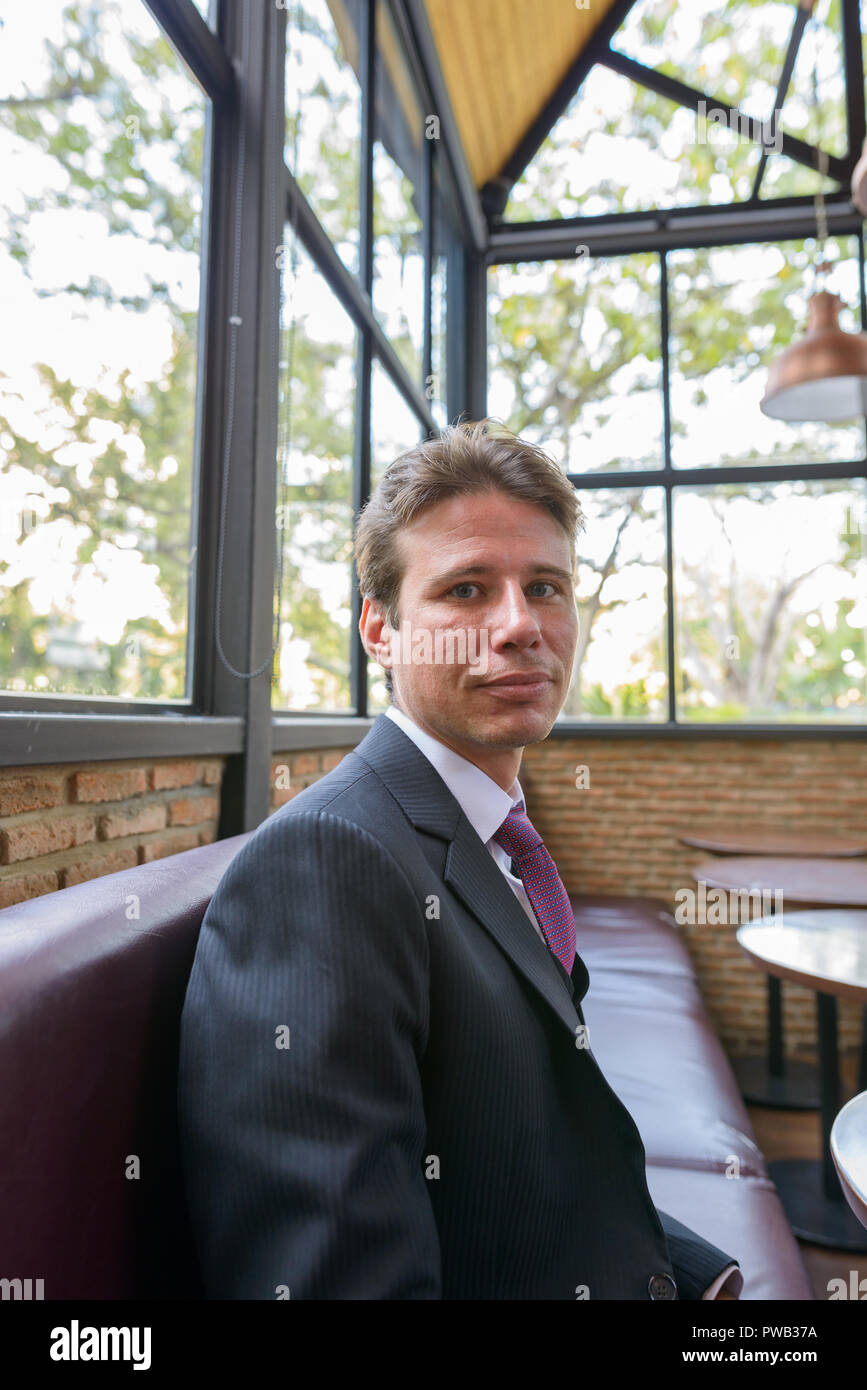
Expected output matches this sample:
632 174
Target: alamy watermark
444 646
720 908
767 133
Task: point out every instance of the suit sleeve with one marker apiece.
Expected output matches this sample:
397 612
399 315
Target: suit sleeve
695 1261
300 1100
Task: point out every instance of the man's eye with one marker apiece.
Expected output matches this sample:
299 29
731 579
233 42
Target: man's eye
468 585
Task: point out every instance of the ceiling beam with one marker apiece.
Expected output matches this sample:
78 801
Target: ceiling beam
625 233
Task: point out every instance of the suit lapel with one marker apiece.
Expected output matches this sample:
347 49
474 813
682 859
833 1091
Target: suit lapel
470 869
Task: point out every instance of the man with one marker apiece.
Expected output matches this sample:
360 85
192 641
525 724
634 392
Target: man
386 1089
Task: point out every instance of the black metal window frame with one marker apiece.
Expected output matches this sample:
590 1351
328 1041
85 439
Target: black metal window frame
240 67
689 228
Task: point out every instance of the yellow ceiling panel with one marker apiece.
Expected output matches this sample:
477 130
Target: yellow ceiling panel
502 60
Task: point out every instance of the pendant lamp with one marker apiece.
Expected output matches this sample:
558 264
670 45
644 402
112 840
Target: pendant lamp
823 377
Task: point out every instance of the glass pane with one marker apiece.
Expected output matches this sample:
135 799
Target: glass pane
436 389
783 178
398 257
621 148
323 116
575 360
706 43
819 79
315 449
771 602
394 428
620 662
732 312
100 232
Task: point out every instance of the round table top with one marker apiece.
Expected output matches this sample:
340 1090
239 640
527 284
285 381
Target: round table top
827 882
849 1152
826 951
758 839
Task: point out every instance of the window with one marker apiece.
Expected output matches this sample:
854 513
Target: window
769 578
620 663
323 116
394 429
314 511
398 180
733 310
575 359
101 142
771 602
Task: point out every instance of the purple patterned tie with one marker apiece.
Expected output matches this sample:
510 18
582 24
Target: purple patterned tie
538 873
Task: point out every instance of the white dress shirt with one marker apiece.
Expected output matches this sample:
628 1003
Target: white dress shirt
486 806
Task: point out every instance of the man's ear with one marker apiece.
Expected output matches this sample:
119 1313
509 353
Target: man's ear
375 633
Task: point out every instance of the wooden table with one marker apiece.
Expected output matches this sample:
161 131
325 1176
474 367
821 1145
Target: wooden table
757 839
799 883
827 952
849 1152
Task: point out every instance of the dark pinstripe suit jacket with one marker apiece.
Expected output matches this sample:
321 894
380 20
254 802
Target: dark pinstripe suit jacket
380 1093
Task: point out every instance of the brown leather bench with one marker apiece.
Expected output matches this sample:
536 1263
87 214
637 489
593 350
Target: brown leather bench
92 982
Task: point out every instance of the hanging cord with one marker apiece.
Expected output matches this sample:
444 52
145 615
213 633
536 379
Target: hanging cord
234 325
822 264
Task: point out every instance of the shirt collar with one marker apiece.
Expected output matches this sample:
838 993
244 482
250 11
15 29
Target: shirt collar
482 801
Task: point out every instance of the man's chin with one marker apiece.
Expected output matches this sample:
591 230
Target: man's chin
514 726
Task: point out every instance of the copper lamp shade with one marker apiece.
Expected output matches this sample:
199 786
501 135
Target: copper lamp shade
824 377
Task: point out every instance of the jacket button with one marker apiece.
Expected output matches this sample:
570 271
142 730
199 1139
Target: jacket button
661 1286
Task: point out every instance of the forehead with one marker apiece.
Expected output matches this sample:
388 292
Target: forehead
484 516
482 534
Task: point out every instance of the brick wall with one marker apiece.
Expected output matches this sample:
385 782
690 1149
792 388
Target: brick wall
64 824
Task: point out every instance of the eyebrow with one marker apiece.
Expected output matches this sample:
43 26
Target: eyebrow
462 571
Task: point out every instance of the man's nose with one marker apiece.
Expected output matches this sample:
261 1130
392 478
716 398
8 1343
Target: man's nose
512 617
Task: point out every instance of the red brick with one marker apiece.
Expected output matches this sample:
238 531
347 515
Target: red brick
137 820
304 763
26 886
212 774
165 845
45 836
30 791
108 784
207 837
192 810
178 774
99 865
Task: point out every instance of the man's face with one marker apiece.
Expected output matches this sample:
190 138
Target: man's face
501 567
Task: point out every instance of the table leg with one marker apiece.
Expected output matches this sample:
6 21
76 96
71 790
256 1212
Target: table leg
771 1080
776 1064
809 1188
829 1083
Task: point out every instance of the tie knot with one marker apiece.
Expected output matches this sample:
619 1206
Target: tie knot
517 835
